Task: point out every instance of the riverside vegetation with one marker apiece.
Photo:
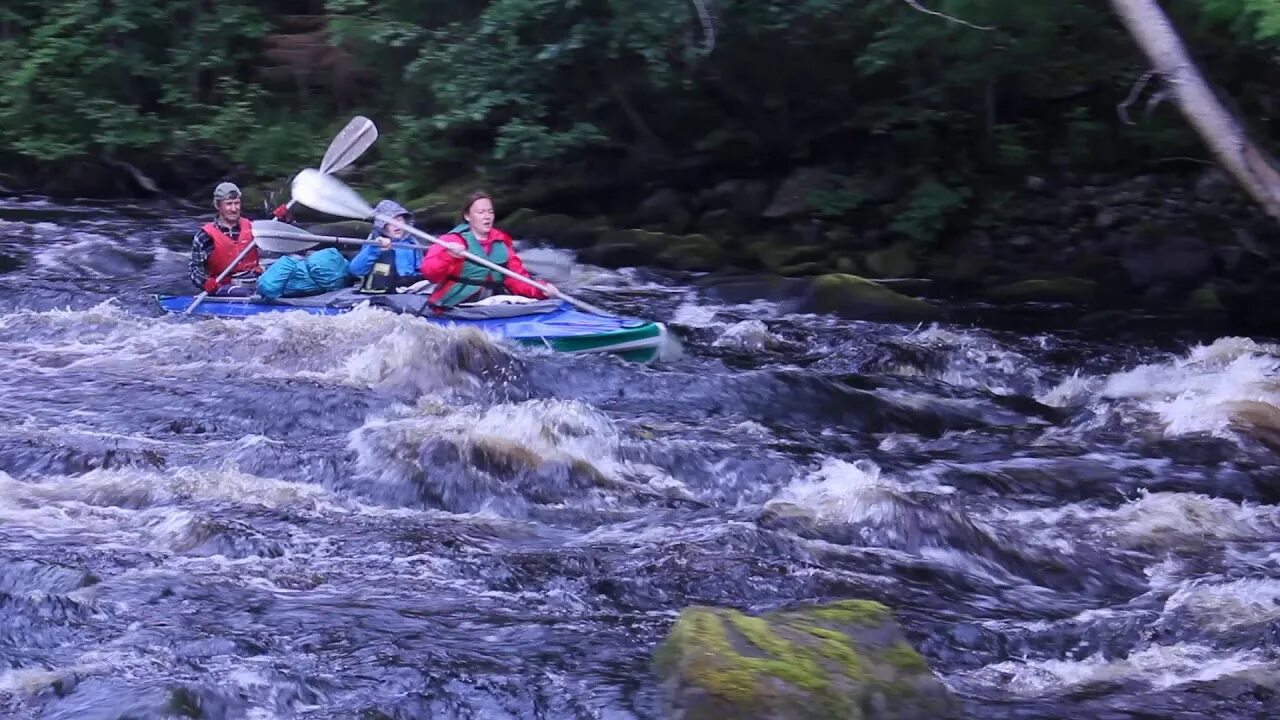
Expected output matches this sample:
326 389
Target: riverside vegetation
983 150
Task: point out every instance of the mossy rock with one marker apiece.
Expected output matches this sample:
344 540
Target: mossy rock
897 260
1064 289
690 252
516 222
651 239
1205 299
775 253
804 269
857 298
968 269
562 230
847 265
845 659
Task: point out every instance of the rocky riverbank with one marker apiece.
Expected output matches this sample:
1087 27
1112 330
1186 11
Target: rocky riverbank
1182 243
1171 242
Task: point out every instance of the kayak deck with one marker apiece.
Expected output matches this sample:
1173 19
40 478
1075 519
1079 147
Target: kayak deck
554 324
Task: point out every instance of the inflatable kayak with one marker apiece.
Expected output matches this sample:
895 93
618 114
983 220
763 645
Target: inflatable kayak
553 324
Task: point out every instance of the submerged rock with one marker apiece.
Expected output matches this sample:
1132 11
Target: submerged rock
847 659
1068 289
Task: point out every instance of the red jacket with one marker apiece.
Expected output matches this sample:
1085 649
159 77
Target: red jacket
439 265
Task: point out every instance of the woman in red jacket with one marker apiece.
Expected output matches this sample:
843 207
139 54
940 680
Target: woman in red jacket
459 280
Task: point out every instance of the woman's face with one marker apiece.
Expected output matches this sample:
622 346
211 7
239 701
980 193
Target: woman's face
480 216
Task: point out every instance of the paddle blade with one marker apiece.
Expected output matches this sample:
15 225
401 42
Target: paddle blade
547 265
281 237
349 144
329 195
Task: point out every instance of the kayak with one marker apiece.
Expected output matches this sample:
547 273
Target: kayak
554 323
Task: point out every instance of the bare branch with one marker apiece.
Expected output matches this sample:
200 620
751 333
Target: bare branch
708 27
1134 93
916 4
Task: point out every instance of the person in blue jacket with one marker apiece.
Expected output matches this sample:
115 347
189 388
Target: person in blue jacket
394 261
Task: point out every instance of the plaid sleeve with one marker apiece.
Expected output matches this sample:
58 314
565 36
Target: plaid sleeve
201 248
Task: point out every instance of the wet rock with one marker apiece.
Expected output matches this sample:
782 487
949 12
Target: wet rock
793 196
515 222
1151 262
718 222
616 254
857 298
965 269
562 230
751 200
744 290
664 210
1214 185
897 260
843 659
774 253
747 199
692 252
1205 298
804 269
1066 289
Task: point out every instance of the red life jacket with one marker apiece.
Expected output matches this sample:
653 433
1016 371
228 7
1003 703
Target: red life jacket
225 250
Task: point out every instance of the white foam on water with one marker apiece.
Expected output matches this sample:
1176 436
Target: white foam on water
366 347
841 491
1159 666
1155 519
530 432
691 314
1223 605
746 336
1230 385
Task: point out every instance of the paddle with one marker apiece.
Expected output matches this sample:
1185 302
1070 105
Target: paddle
349 144
328 194
281 237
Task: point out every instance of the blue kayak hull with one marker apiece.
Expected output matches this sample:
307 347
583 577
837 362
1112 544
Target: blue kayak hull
552 324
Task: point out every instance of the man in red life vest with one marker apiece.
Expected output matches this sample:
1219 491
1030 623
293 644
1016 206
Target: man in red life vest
218 243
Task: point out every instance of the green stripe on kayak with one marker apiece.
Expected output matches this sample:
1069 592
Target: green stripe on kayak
638 344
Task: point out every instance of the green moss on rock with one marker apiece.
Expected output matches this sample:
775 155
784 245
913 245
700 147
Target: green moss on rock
856 612
845 659
691 252
1067 289
562 230
897 260
857 298
1205 298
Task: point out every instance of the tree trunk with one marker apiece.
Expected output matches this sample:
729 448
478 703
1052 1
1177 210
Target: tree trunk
1220 130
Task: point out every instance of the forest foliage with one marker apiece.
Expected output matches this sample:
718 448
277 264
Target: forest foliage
524 90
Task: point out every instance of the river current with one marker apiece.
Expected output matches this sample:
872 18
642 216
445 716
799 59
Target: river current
368 516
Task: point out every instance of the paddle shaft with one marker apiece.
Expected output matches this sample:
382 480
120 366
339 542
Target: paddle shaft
550 291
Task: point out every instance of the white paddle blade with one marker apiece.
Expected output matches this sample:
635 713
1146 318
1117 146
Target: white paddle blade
349 144
547 265
329 195
285 246
276 228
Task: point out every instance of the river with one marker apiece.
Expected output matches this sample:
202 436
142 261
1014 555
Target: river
367 516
